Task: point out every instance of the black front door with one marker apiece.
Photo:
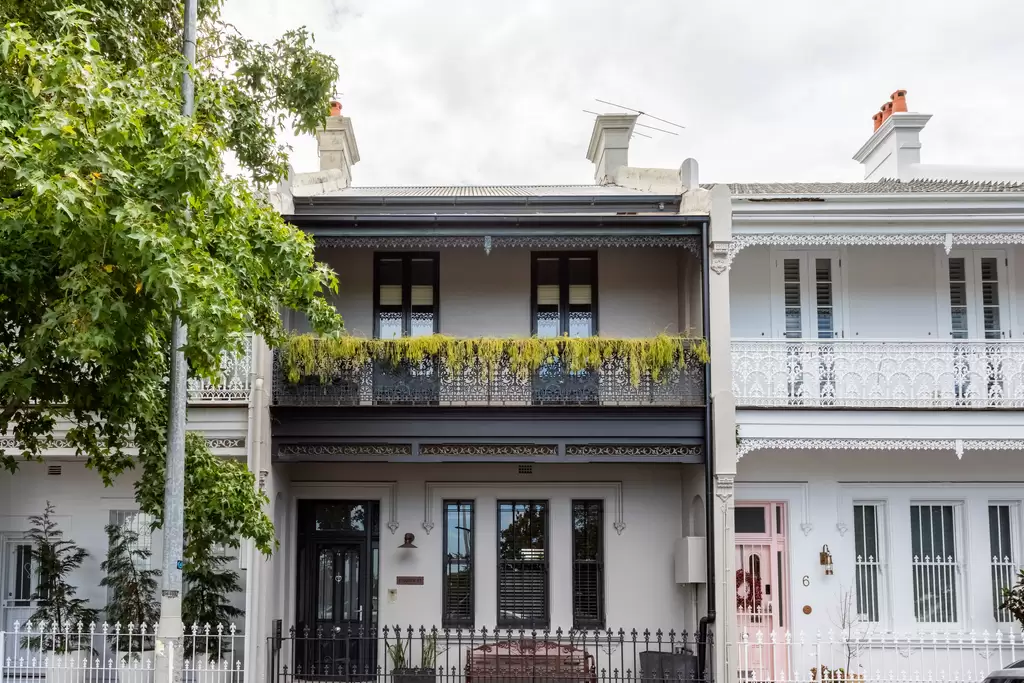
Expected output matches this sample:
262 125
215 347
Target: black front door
337 585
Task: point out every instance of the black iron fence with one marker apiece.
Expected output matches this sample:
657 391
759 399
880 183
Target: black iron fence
434 655
431 382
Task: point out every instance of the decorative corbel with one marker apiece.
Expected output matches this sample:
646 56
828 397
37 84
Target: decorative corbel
722 254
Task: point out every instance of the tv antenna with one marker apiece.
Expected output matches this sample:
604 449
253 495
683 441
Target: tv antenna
640 112
643 135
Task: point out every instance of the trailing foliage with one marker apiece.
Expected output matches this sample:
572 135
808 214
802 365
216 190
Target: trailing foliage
306 355
116 213
62 616
1013 599
131 591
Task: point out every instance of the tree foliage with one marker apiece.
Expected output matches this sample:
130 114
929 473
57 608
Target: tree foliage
206 609
60 618
132 603
116 212
223 504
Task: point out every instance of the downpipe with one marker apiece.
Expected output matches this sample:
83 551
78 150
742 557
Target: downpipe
709 469
252 462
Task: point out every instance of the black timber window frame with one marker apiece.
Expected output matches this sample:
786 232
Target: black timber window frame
457 602
588 608
563 287
509 568
406 258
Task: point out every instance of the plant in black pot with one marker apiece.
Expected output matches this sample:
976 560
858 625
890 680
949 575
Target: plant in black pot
61 626
132 606
399 653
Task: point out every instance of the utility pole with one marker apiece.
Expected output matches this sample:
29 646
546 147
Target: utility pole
170 628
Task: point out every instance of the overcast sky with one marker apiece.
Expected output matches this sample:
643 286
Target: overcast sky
488 91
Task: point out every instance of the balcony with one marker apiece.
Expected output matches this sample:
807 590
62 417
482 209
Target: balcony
481 373
234 383
784 373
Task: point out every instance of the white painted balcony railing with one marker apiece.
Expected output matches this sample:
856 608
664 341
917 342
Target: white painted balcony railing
234 384
838 373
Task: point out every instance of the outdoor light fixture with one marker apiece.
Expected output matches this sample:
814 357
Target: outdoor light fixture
409 538
826 559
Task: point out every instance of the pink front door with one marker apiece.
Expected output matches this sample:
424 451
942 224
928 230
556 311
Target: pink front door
762 571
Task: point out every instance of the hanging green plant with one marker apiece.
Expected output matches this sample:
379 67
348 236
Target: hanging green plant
304 355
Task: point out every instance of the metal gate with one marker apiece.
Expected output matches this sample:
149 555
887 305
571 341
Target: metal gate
762 571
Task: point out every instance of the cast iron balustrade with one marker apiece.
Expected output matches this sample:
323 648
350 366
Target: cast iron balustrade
844 373
434 655
432 382
234 385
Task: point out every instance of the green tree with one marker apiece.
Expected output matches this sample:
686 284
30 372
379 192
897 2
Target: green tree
132 604
206 607
61 621
116 212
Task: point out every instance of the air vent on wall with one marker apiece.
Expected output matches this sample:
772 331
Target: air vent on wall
53 470
526 469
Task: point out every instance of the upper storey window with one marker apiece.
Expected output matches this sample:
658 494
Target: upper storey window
405 295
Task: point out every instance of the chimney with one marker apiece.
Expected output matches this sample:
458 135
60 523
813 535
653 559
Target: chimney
894 149
609 145
336 142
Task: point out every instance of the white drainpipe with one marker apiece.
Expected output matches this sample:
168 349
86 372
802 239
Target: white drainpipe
252 462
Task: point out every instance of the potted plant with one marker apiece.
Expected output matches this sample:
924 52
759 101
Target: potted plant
61 626
840 674
1013 599
401 664
132 606
205 610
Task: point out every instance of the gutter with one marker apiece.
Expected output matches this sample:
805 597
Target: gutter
666 202
709 467
895 197
414 223
882 218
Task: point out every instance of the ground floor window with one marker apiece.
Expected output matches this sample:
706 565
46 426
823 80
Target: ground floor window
457 564
523 564
935 563
869 566
1001 523
588 564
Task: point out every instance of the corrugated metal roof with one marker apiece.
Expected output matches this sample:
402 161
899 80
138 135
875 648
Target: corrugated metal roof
488 191
884 186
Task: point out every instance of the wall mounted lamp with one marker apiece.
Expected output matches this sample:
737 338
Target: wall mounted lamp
825 558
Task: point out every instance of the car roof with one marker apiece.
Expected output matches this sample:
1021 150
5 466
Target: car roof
1013 671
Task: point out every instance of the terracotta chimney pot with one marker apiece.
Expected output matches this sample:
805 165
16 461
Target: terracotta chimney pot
877 118
899 101
886 111
335 108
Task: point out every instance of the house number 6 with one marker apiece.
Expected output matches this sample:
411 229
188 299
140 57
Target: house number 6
807 580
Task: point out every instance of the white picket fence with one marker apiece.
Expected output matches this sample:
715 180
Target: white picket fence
104 653
871 657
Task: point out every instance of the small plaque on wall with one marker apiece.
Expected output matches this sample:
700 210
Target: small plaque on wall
409 580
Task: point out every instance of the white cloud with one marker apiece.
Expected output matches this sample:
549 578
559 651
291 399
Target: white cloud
479 91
